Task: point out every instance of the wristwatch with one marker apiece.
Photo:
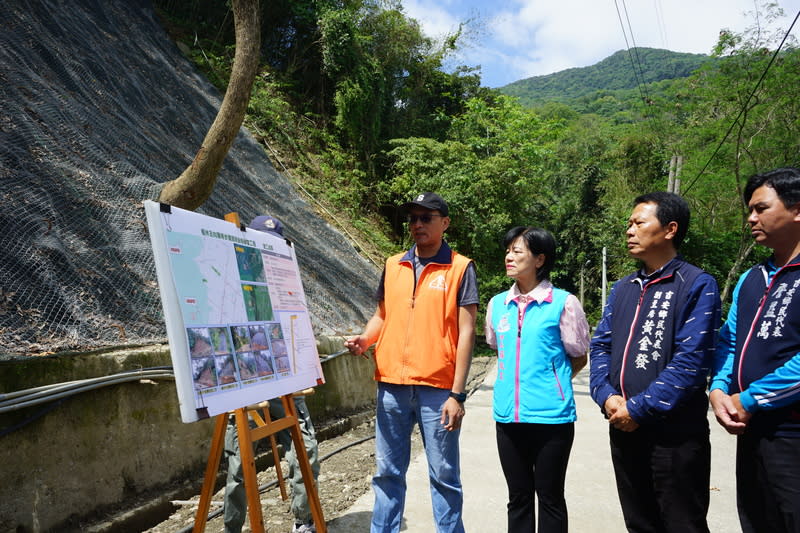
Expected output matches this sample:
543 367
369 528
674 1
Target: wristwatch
460 397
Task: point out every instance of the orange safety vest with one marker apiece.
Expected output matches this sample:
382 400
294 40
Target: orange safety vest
418 341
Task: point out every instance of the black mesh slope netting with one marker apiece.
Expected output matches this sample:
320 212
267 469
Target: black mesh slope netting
98 109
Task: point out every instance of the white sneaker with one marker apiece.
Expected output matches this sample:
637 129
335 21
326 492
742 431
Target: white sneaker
305 528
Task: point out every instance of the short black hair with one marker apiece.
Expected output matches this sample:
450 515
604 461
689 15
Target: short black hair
538 241
785 181
670 207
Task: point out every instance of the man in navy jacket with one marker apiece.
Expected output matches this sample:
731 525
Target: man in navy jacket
650 359
755 389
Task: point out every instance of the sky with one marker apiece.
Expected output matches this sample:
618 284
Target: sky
516 39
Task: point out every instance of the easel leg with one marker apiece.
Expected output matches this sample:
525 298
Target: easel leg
305 466
249 472
211 474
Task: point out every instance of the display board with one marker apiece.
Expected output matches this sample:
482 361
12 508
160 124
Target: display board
236 315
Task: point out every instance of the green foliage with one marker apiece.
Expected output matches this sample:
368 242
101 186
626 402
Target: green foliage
354 101
578 219
388 78
483 350
490 171
762 120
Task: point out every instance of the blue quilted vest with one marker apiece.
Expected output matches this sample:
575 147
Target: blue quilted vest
534 374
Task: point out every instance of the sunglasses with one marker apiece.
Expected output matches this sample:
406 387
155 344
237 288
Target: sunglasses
425 219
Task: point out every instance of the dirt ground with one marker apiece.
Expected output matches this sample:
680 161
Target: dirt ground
345 474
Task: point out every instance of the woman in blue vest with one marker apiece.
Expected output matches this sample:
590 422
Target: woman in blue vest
541 337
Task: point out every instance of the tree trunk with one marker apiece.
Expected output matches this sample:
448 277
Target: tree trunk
195 184
730 280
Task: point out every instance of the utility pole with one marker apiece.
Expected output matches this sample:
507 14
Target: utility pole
604 283
583 267
671 179
674 181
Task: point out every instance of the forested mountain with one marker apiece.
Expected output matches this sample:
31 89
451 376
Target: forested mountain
624 70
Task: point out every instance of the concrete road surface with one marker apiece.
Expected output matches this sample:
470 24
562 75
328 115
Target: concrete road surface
590 490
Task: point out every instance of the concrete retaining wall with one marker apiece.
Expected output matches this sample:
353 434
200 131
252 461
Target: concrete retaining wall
98 449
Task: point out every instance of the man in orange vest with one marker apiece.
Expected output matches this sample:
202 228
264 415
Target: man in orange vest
424 326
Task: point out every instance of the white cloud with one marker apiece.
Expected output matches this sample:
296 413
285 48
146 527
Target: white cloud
523 38
550 36
437 18
572 33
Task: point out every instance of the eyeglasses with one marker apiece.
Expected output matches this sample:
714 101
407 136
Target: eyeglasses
425 219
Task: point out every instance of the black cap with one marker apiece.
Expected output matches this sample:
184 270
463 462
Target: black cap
428 200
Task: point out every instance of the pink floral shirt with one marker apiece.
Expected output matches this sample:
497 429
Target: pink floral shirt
573 325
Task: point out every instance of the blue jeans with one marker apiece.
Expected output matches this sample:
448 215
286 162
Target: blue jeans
399 407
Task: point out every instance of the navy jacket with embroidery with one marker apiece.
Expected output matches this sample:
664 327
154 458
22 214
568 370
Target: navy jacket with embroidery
759 348
655 344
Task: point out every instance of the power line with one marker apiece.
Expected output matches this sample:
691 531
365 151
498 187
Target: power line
662 27
628 48
744 107
638 74
636 52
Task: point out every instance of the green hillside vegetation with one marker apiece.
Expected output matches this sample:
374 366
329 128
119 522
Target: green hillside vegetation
621 106
353 102
615 74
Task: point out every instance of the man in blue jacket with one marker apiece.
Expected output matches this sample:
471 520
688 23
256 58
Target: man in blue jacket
650 359
755 388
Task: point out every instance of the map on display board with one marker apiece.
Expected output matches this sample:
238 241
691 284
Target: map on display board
238 325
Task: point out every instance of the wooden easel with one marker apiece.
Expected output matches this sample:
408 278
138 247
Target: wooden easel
265 428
